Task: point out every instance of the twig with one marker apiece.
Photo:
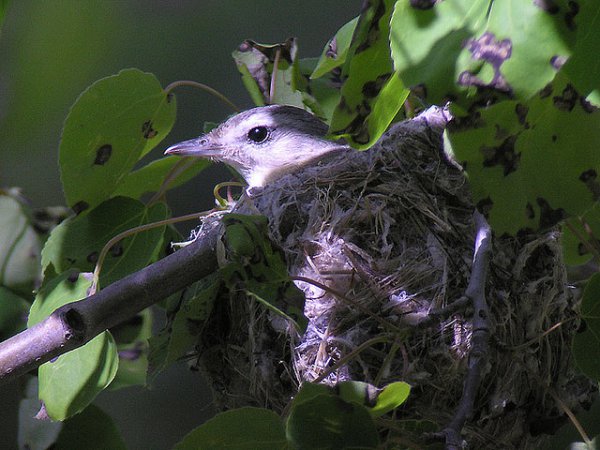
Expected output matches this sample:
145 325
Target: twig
76 323
479 340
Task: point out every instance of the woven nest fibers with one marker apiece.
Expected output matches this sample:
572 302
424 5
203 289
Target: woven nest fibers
379 240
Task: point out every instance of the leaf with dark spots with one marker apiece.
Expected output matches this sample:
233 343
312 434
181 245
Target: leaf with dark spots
548 6
549 216
102 141
371 88
462 123
492 51
503 155
485 205
422 4
116 250
522 111
587 106
558 61
571 14
147 131
103 154
92 257
80 206
529 211
567 100
370 96
260 63
546 91
589 177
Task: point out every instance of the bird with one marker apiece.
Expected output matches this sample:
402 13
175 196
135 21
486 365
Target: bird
264 143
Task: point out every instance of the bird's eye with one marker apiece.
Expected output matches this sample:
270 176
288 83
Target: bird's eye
258 134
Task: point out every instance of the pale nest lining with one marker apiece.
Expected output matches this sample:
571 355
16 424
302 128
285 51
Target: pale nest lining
380 239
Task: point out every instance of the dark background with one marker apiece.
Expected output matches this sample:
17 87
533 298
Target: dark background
50 51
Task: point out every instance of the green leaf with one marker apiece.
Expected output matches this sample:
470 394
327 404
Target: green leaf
13 313
458 46
77 242
531 164
581 232
132 347
71 382
3 8
372 93
35 434
151 177
19 246
586 345
238 429
392 396
110 127
256 62
328 422
93 429
335 52
179 337
582 68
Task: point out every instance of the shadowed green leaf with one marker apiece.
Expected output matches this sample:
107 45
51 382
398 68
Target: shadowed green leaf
586 345
93 429
13 313
132 337
115 122
238 429
327 421
531 164
77 242
19 246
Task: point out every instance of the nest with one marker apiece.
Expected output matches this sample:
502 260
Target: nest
378 240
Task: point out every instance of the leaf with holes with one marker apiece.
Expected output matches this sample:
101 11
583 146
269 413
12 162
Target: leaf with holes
115 122
470 50
372 93
532 164
77 241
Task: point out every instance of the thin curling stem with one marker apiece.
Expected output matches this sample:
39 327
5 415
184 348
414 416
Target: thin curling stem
130 232
205 88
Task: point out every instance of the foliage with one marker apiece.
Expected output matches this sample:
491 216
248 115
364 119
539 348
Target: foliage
524 93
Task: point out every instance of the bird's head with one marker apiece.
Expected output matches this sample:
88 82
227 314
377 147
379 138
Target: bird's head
263 143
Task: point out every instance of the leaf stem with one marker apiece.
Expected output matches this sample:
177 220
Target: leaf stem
149 226
204 87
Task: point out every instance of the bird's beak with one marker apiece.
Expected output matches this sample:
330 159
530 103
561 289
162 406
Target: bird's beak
201 147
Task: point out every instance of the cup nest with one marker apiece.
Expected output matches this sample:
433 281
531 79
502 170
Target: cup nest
376 241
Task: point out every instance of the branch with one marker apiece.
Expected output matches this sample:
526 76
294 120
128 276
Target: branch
74 324
479 341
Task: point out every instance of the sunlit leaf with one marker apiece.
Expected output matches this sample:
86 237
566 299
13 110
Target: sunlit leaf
457 46
372 92
71 382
